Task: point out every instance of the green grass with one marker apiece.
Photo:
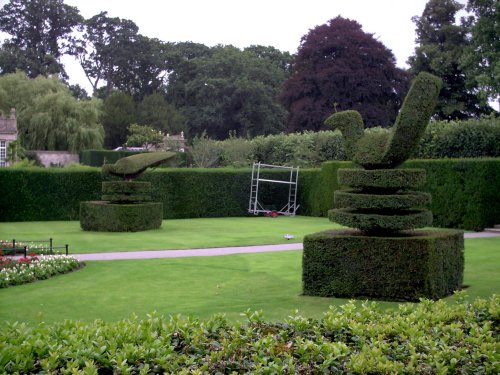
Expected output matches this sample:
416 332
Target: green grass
173 234
202 286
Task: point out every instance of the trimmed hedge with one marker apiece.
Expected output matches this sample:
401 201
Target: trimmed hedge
381 178
102 216
408 266
465 192
381 221
398 201
425 338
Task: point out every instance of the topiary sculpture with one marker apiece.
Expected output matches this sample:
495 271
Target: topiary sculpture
385 256
125 205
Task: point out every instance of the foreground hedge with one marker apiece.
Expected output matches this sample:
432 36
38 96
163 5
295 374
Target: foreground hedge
464 192
428 338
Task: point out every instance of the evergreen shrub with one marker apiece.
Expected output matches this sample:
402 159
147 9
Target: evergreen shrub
103 216
406 266
427 338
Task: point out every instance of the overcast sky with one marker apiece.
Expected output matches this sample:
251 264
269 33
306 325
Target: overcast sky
277 23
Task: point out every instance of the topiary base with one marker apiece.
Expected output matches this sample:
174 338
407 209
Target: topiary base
103 216
412 265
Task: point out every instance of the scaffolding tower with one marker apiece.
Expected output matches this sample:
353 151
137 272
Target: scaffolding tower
255 207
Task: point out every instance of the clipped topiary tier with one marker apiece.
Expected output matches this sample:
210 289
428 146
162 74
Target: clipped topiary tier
407 267
380 222
398 201
103 216
125 205
126 191
387 256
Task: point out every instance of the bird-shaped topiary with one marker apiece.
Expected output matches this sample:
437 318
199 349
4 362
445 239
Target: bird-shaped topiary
381 150
381 198
132 166
126 205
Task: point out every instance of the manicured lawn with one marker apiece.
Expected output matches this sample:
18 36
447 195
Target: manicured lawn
173 234
202 286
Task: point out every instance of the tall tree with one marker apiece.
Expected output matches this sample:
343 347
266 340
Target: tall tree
338 64
156 112
118 113
481 58
48 116
40 33
114 54
440 46
229 90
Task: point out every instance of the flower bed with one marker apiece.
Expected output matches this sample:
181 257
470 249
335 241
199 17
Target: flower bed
16 271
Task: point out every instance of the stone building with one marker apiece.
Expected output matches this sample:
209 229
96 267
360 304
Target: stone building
8 133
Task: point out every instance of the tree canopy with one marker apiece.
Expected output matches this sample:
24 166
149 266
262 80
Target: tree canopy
481 58
339 65
229 90
48 116
441 43
40 33
118 113
112 52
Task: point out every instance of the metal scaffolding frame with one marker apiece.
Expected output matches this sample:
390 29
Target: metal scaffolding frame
255 207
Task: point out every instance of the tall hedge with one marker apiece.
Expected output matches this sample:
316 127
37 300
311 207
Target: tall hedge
464 192
38 194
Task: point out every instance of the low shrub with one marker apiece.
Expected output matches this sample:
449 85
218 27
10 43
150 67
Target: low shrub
34 267
429 338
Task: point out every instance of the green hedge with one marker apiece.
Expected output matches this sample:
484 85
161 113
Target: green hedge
39 194
464 192
426 338
413 265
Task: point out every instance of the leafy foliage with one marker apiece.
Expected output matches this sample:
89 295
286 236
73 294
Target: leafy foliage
41 32
48 116
481 57
430 337
156 112
112 51
143 135
339 65
118 113
441 45
229 90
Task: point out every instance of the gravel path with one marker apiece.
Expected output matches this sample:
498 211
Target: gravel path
151 254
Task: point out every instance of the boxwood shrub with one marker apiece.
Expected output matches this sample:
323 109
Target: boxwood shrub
426 338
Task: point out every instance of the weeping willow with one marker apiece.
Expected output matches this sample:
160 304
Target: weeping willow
48 116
